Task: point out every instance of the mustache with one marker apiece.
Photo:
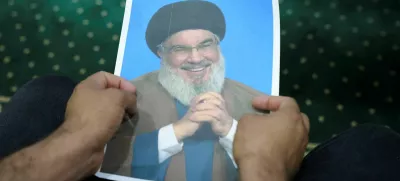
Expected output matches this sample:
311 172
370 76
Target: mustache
201 64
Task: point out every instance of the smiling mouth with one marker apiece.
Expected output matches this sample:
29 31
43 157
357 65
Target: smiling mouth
196 69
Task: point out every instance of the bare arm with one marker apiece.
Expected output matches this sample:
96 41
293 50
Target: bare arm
61 156
94 113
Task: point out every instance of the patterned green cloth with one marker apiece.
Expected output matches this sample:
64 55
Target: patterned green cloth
339 59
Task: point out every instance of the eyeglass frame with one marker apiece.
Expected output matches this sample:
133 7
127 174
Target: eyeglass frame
189 49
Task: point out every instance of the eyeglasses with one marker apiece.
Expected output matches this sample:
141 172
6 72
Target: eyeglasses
183 51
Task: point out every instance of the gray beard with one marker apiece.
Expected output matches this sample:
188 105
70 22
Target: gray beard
185 91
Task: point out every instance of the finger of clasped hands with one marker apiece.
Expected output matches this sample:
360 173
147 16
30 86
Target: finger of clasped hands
274 142
208 107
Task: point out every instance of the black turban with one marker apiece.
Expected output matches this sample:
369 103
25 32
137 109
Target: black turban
184 15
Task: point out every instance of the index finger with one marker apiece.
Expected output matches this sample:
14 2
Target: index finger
103 80
209 95
130 102
275 103
124 99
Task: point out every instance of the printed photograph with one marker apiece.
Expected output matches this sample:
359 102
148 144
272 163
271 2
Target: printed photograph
196 65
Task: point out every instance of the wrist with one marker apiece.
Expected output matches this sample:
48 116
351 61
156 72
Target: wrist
178 132
83 139
259 169
78 149
227 129
76 140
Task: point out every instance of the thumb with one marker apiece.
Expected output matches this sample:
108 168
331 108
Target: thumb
130 102
275 103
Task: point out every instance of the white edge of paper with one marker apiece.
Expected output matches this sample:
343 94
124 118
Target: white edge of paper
276 49
123 37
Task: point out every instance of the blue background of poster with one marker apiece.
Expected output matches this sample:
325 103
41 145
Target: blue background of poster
247 47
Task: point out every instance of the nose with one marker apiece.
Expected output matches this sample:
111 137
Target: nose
195 56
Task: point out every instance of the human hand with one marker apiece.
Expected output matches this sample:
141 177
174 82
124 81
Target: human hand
274 143
211 107
96 109
186 126
207 107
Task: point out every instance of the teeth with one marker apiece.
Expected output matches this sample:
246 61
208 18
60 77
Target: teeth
197 70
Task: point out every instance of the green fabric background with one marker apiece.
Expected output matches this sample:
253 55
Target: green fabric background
339 59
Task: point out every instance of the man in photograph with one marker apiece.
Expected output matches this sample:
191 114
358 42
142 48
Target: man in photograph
188 109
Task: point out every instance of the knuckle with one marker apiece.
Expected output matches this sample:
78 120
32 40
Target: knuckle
305 117
198 105
102 72
291 100
99 73
292 117
79 87
219 114
306 121
219 103
203 94
194 100
287 98
296 116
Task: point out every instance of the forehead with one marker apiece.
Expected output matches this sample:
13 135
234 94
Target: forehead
189 37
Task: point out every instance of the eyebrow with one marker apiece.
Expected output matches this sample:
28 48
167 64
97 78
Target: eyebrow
206 41
203 42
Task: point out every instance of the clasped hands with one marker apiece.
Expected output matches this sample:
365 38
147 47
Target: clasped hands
208 107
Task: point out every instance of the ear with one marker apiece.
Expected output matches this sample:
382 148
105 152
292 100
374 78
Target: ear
159 53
